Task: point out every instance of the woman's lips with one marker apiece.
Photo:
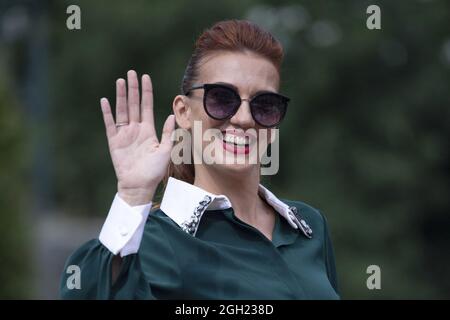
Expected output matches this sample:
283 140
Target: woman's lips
236 149
237 141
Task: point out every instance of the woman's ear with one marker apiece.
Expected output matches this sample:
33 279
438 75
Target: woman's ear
182 111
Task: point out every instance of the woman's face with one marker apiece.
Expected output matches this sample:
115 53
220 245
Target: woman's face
223 146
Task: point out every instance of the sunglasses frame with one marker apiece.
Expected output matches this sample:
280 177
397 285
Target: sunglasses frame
208 86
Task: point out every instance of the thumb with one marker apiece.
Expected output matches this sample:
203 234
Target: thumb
168 128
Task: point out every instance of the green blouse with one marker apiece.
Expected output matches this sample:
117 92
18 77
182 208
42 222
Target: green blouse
227 259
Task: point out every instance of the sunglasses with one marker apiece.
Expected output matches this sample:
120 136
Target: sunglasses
221 102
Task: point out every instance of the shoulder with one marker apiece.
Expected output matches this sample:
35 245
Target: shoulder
308 210
160 225
312 215
161 218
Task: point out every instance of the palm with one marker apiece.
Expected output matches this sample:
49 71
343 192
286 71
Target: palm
139 159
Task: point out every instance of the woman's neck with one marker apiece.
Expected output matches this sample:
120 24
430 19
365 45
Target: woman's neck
240 188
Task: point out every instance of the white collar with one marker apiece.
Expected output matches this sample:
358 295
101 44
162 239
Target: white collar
185 204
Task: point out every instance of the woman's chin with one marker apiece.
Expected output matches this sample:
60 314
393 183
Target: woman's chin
236 168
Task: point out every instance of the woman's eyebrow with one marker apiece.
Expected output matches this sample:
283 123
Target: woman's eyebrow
237 90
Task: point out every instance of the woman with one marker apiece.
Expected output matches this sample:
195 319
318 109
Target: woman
218 233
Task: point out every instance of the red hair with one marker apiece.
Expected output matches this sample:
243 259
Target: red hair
235 36
228 35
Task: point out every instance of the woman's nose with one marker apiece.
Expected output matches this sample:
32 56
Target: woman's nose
243 117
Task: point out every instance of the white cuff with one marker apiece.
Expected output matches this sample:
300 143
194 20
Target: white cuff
123 229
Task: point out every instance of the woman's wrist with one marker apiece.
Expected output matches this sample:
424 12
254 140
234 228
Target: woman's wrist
136 196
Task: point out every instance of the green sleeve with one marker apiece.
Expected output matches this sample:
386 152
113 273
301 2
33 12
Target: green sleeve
94 262
152 273
329 256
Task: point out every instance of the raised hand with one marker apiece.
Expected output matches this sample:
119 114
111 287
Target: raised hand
140 160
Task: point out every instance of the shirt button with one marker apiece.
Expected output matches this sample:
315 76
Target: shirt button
123 231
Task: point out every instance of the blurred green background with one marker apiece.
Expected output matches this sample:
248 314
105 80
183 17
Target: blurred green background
366 139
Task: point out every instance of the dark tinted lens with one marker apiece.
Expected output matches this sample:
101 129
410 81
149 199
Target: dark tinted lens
268 109
221 102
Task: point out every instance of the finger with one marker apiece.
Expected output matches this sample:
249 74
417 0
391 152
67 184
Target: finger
108 118
147 103
121 102
169 127
133 96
